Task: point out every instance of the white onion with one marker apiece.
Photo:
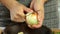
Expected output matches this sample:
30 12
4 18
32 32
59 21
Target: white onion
31 18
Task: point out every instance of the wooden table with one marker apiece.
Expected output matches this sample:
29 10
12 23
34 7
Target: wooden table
56 31
0 31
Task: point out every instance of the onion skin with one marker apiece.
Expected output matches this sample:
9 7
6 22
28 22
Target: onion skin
31 18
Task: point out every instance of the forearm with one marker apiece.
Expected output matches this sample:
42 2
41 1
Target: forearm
9 3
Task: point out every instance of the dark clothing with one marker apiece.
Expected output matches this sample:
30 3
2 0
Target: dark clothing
4 16
22 27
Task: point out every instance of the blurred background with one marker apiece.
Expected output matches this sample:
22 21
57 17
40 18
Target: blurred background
52 14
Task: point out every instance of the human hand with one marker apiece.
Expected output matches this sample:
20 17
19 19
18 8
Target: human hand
17 12
38 6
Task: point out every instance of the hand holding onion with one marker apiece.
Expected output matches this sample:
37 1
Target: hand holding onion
38 6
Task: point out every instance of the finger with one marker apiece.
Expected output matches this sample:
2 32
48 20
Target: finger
21 16
32 4
28 10
20 13
17 18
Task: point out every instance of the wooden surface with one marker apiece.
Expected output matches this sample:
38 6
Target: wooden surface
0 31
56 31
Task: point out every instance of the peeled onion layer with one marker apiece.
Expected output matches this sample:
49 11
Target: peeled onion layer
32 19
20 33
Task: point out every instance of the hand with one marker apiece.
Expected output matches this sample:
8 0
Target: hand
38 6
17 13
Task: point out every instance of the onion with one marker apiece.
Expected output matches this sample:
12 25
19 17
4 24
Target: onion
20 33
31 18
